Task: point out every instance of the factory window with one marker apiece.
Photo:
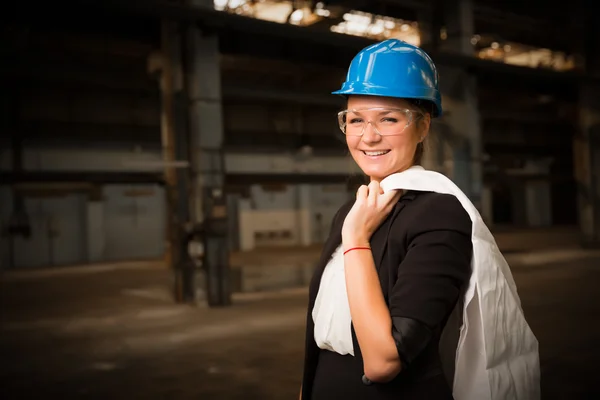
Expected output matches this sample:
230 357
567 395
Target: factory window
379 27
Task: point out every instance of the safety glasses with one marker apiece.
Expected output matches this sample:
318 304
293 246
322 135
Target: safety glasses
385 121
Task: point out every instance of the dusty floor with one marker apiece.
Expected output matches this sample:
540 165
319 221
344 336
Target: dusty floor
117 335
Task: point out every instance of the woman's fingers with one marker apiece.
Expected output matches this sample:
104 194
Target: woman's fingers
362 192
390 197
374 191
375 198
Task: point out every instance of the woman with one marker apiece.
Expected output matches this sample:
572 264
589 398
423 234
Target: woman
396 263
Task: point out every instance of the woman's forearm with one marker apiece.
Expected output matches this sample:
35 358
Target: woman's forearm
370 317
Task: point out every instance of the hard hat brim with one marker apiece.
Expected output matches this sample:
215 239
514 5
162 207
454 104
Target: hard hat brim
421 93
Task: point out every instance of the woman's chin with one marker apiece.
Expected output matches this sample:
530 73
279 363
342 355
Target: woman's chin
376 173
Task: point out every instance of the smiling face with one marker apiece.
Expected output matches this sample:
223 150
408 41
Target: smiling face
379 156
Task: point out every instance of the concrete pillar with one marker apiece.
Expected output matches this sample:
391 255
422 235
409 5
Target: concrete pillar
463 133
304 210
429 27
206 125
459 91
233 220
459 24
209 201
587 144
587 163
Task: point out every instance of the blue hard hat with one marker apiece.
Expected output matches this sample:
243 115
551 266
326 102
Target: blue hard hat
393 68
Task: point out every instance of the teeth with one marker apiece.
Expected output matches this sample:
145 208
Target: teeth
375 153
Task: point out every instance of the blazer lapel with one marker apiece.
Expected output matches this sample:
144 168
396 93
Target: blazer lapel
379 240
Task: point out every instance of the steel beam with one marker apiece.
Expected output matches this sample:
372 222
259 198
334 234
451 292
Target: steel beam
212 20
11 178
524 151
217 21
266 94
289 179
44 68
34 131
504 177
72 177
411 4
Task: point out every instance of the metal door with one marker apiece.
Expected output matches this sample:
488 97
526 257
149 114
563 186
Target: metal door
57 232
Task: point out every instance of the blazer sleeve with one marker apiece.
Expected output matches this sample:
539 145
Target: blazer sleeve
432 274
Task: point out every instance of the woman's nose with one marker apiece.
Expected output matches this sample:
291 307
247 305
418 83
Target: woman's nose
370 135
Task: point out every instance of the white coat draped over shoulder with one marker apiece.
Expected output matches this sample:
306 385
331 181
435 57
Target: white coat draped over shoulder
497 356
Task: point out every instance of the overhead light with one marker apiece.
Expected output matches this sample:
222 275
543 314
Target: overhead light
507 48
220 4
362 19
297 16
495 45
321 12
235 3
474 41
376 29
404 27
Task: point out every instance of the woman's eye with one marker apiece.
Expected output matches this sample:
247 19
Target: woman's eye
390 120
355 121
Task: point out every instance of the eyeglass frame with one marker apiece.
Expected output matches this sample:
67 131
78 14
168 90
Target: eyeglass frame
409 113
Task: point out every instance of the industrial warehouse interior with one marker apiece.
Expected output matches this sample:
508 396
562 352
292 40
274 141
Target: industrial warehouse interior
170 169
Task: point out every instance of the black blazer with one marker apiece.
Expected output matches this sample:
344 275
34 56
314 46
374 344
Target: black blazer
422 252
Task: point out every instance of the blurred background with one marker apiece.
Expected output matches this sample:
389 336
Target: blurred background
169 171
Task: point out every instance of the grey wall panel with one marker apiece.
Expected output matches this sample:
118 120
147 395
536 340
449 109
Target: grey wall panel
134 221
66 219
33 251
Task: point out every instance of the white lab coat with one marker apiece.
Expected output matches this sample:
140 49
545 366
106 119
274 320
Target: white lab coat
497 356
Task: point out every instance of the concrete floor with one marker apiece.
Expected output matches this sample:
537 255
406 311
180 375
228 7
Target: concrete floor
116 334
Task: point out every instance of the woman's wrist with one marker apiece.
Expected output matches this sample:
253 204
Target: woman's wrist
355 241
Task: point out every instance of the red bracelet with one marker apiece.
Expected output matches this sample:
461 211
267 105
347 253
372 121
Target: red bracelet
357 248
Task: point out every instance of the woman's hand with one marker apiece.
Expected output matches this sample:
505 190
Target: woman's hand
371 207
